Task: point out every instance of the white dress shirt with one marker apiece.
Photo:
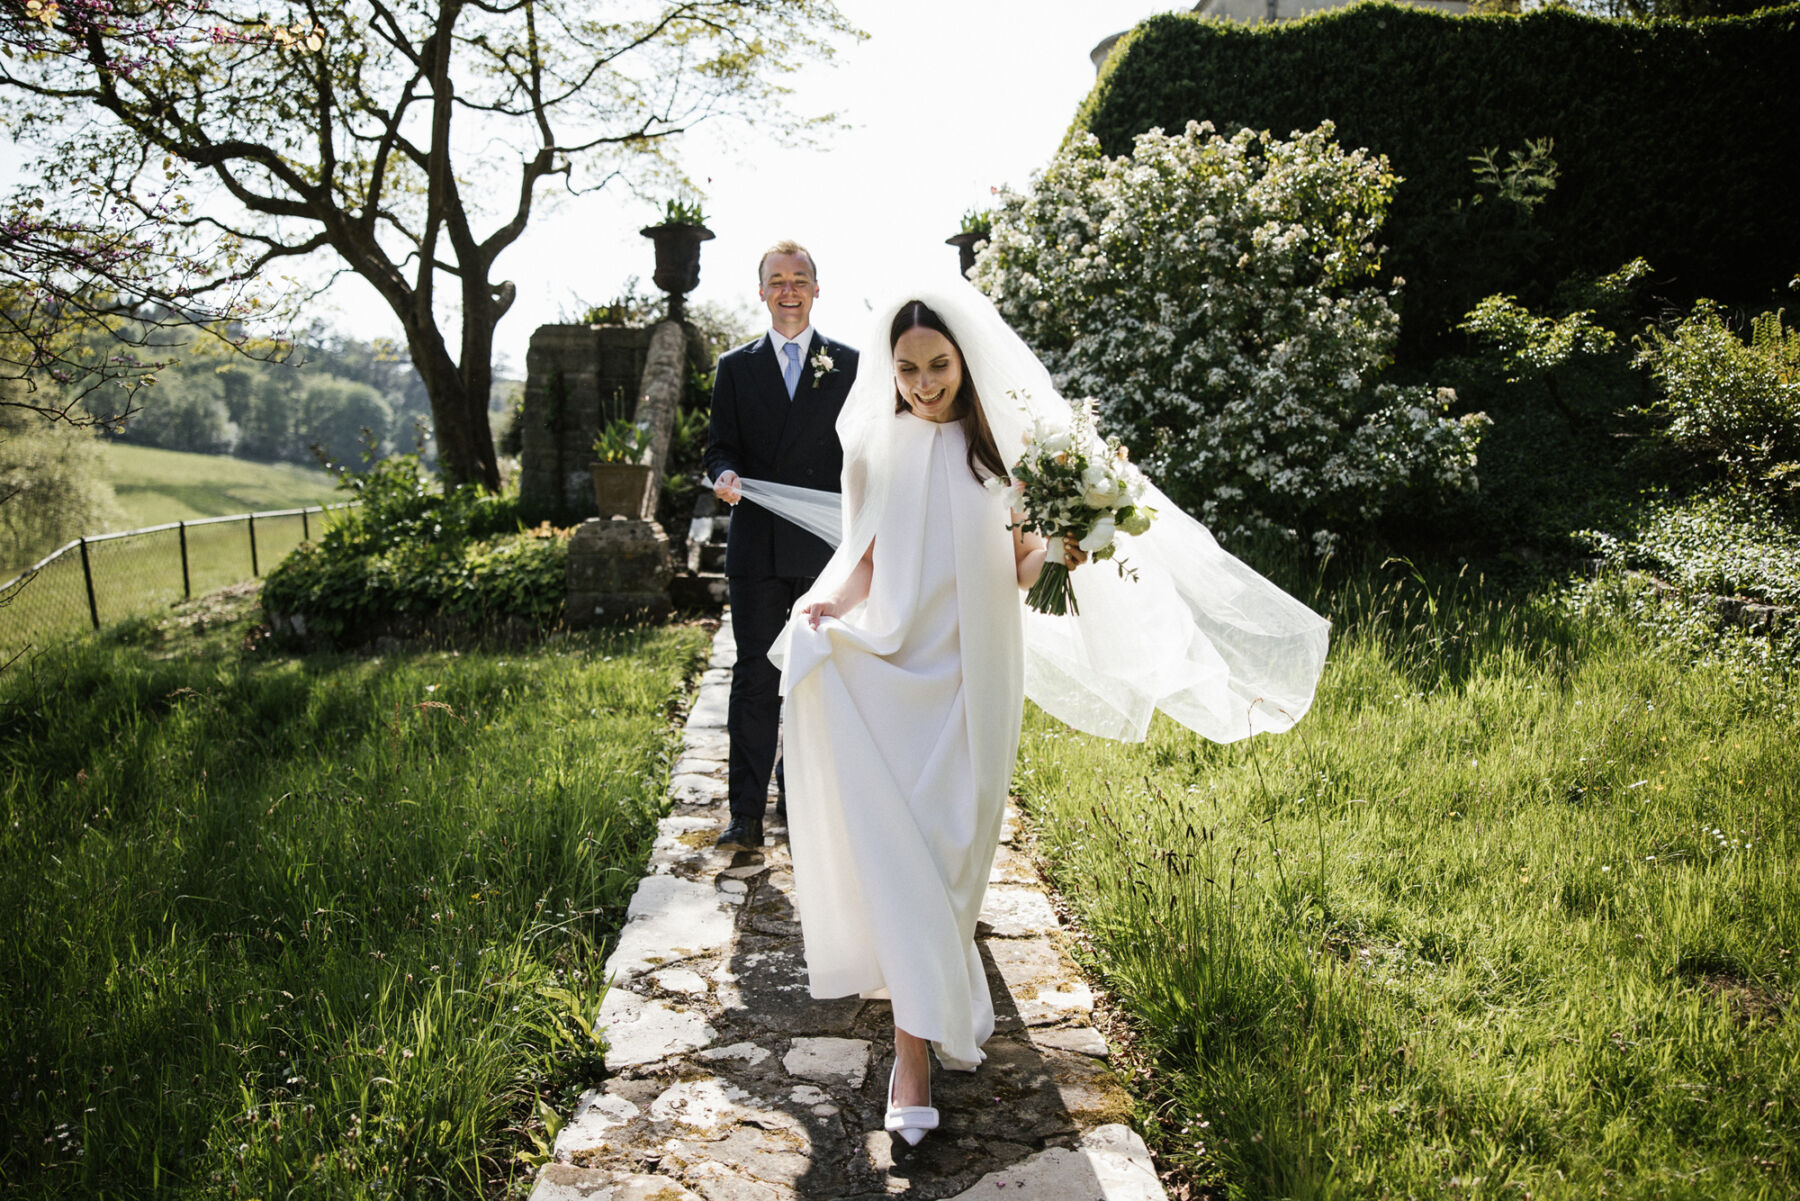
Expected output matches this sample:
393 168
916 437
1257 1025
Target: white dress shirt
803 339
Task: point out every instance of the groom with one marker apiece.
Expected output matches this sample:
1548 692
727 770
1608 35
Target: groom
775 403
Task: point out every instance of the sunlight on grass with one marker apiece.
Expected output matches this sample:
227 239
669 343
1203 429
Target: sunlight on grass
1512 912
312 927
155 486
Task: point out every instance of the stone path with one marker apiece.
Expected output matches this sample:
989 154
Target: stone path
729 1083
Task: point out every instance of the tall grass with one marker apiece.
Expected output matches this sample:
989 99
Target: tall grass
1513 912
311 927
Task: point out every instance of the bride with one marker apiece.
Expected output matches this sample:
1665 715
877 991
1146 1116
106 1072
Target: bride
906 666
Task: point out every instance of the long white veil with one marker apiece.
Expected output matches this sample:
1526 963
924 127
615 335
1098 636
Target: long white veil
1196 633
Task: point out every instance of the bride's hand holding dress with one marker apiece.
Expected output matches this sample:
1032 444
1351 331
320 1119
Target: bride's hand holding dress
846 596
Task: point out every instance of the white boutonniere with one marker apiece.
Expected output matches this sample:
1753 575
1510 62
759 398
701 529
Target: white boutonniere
821 365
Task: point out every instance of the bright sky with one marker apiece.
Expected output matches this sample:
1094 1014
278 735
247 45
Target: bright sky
945 99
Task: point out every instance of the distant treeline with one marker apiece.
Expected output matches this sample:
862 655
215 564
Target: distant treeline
279 403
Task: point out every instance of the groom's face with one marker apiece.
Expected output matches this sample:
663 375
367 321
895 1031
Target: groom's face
788 289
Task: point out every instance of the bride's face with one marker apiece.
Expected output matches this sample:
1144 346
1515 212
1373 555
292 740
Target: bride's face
928 372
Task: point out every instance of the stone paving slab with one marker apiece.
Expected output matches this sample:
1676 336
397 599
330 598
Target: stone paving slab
730 1083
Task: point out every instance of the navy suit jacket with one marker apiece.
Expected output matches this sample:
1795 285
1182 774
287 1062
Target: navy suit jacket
759 433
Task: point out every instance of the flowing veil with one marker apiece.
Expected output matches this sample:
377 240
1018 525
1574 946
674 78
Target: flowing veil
1196 633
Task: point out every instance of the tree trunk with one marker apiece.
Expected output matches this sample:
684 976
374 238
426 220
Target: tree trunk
459 403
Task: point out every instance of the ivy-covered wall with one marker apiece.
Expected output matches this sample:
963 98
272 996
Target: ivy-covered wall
1676 141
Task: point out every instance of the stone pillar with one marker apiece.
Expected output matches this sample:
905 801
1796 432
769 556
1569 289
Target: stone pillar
659 395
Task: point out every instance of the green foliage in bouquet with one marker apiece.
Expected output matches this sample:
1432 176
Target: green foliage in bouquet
1217 296
416 550
1069 483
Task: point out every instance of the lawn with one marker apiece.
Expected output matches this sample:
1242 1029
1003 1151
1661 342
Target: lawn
1512 913
156 486
312 927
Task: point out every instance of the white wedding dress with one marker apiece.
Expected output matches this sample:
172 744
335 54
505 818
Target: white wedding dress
902 725
902 718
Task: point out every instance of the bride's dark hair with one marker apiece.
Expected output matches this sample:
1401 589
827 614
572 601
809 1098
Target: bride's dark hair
966 407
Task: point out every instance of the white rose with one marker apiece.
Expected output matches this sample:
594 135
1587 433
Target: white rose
1009 493
1099 489
1101 536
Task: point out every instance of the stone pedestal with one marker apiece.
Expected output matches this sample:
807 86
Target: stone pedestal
619 571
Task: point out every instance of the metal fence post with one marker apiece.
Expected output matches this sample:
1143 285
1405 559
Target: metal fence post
305 527
187 587
253 570
87 573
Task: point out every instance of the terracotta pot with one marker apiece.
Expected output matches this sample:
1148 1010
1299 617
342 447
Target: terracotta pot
621 489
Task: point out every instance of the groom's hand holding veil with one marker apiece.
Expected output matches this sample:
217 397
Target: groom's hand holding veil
726 488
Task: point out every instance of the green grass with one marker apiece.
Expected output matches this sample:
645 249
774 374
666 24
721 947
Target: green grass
156 486
1513 912
311 927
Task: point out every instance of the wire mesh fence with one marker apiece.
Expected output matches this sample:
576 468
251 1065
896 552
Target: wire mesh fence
93 582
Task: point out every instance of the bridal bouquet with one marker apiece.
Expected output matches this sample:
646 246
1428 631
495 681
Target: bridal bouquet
1071 482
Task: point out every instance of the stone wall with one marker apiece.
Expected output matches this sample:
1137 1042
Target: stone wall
577 378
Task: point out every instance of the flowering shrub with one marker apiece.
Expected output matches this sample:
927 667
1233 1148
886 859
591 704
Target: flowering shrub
1214 295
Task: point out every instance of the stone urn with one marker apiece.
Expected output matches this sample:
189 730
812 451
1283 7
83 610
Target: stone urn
677 259
965 244
621 489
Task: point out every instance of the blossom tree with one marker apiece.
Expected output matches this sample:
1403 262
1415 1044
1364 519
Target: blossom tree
92 293
1216 297
408 140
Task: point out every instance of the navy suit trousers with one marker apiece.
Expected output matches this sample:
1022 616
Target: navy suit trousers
759 608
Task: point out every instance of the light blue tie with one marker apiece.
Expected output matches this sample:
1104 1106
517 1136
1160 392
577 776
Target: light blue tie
790 374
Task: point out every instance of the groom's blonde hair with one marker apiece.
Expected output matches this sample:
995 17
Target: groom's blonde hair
786 246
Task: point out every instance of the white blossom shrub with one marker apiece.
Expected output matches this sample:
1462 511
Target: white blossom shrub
1215 297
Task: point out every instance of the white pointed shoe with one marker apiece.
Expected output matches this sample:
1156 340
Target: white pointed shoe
910 1122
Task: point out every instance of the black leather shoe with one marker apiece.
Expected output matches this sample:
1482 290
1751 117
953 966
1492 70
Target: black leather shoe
744 834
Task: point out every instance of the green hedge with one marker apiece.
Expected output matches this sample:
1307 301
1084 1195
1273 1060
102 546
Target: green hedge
414 559
1675 141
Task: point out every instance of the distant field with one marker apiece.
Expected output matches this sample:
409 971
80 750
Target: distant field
155 486
143 574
